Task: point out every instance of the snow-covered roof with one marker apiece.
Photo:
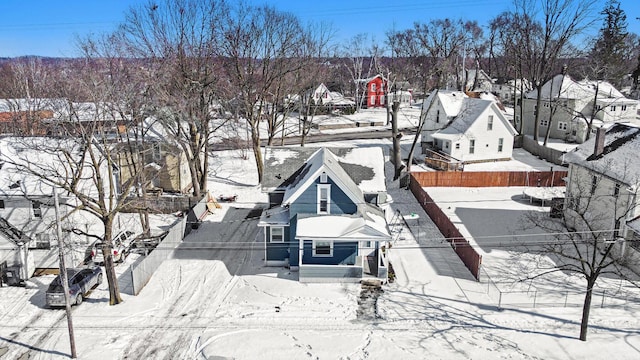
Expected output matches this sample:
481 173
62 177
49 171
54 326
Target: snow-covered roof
35 153
275 216
363 165
564 87
471 110
618 160
451 101
342 227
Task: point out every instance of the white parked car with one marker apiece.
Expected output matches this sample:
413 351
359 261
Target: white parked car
120 250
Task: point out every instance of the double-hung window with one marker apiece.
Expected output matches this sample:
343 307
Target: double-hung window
324 194
490 123
277 234
500 144
472 146
322 248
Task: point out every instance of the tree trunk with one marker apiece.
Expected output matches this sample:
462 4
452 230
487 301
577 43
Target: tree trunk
586 308
536 118
109 268
396 156
257 152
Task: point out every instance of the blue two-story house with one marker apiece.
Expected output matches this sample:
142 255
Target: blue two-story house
325 218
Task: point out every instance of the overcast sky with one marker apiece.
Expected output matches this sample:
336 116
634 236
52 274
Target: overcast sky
49 27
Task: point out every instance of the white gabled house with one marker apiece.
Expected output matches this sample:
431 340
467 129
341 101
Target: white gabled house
323 96
439 108
477 131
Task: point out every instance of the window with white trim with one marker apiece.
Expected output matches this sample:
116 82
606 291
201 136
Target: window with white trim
562 125
457 146
324 194
323 178
381 99
613 108
277 234
373 87
437 116
373 99
500 144
472 146
544 122
490 123
322 248
623 107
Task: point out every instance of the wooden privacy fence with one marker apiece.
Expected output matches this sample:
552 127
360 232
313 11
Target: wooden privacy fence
489 178
469 256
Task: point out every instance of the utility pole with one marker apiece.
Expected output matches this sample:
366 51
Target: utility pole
63 275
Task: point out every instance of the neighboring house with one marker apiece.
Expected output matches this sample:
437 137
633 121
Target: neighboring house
460 129
103 119
604 174
377 93
568 105
27 205
477 80
439 108
325 218
323 96
510 91
24 116
166 167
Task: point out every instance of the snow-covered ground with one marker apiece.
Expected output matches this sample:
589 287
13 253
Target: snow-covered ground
215 300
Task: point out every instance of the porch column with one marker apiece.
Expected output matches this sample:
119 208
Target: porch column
300 252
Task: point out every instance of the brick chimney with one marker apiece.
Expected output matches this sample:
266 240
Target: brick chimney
599 146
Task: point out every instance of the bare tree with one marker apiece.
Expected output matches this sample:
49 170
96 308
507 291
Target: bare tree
178 39
544 44
261 46
356 51
588 239
79 161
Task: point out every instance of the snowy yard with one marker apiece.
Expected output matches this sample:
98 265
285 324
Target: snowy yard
215 300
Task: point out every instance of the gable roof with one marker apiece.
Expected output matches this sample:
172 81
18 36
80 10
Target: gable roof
564 87
471 110
364 166
322 161
451 101
619 160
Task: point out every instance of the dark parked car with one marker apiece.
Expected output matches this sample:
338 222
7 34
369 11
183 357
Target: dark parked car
81 281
